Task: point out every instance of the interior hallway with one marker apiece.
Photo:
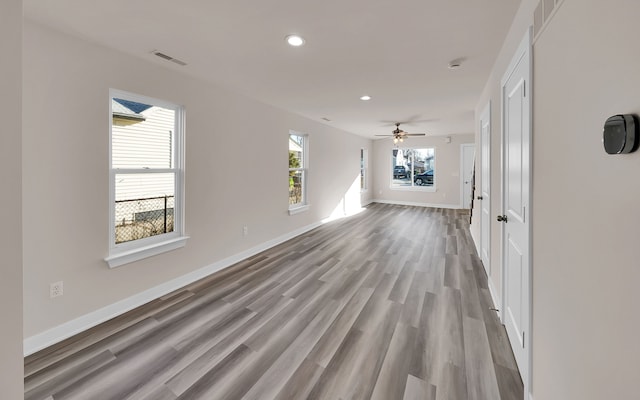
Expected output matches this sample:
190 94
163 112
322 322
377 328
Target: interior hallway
389 304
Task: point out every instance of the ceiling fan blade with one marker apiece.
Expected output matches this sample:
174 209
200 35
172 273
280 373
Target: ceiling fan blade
384 135
414 134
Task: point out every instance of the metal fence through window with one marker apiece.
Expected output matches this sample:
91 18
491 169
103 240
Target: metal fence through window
141 218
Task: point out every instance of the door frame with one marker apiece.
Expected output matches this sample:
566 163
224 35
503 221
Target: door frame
462 147
486 116
524 49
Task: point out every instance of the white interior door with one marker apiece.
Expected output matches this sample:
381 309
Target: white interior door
485 189
516 88
467 154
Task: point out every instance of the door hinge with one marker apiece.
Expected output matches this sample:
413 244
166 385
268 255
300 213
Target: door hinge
523 339
524 89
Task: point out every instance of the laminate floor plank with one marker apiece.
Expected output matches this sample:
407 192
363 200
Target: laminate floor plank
417 389
481 375
301 382
390 304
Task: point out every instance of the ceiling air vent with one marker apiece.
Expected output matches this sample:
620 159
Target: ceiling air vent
168 58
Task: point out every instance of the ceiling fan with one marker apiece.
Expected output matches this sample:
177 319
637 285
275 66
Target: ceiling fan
399 135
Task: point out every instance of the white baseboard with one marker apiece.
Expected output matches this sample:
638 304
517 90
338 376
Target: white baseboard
476 242
367 202
412 203
57 334
497 303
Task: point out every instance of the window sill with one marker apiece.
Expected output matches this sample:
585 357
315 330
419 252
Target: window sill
139 253
428 189
299 209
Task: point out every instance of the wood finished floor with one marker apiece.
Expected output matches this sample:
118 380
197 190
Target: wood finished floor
389 304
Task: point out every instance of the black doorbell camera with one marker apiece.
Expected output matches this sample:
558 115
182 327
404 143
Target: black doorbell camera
620 134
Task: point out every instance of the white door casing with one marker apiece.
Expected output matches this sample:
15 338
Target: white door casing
516 234
467 154
485 189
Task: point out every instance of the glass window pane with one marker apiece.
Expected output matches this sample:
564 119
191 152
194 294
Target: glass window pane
142 135
144 205
296 151
296 193
413 167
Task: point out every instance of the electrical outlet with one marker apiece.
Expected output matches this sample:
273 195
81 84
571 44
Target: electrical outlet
245 231
56 289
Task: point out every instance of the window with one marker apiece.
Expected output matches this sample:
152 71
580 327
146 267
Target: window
298 165
363 169
413 168
146 167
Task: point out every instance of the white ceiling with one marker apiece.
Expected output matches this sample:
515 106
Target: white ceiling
395 51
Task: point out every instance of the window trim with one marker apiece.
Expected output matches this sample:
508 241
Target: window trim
135 250
304 204
364 166
414 188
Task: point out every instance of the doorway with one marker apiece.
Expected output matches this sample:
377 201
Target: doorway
467 155
485 190
516 210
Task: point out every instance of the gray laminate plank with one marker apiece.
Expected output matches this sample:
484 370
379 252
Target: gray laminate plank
452 385
481 376
392 379
276 376
403 283
329 343
415 300
509 383
417 389
159 393
301 382
186 377
70 377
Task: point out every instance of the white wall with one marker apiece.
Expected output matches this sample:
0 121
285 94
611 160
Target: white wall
11 364
447 172
66 121
585 215
585 205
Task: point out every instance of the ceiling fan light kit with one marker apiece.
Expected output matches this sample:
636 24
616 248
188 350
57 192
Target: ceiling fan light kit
399 135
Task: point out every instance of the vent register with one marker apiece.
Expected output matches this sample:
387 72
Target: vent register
168 58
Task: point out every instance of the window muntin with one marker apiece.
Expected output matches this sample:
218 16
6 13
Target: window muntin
298 165
413 168
364 160
146 168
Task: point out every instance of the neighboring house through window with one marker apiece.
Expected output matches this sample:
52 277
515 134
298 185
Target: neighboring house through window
146 175
298 168
413 168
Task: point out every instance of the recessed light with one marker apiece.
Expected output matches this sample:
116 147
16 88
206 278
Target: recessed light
365 98
294 40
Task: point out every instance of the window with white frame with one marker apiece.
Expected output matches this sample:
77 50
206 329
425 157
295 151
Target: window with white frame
298 165
146 175
413 168
363 169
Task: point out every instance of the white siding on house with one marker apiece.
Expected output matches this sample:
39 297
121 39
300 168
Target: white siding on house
144 145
